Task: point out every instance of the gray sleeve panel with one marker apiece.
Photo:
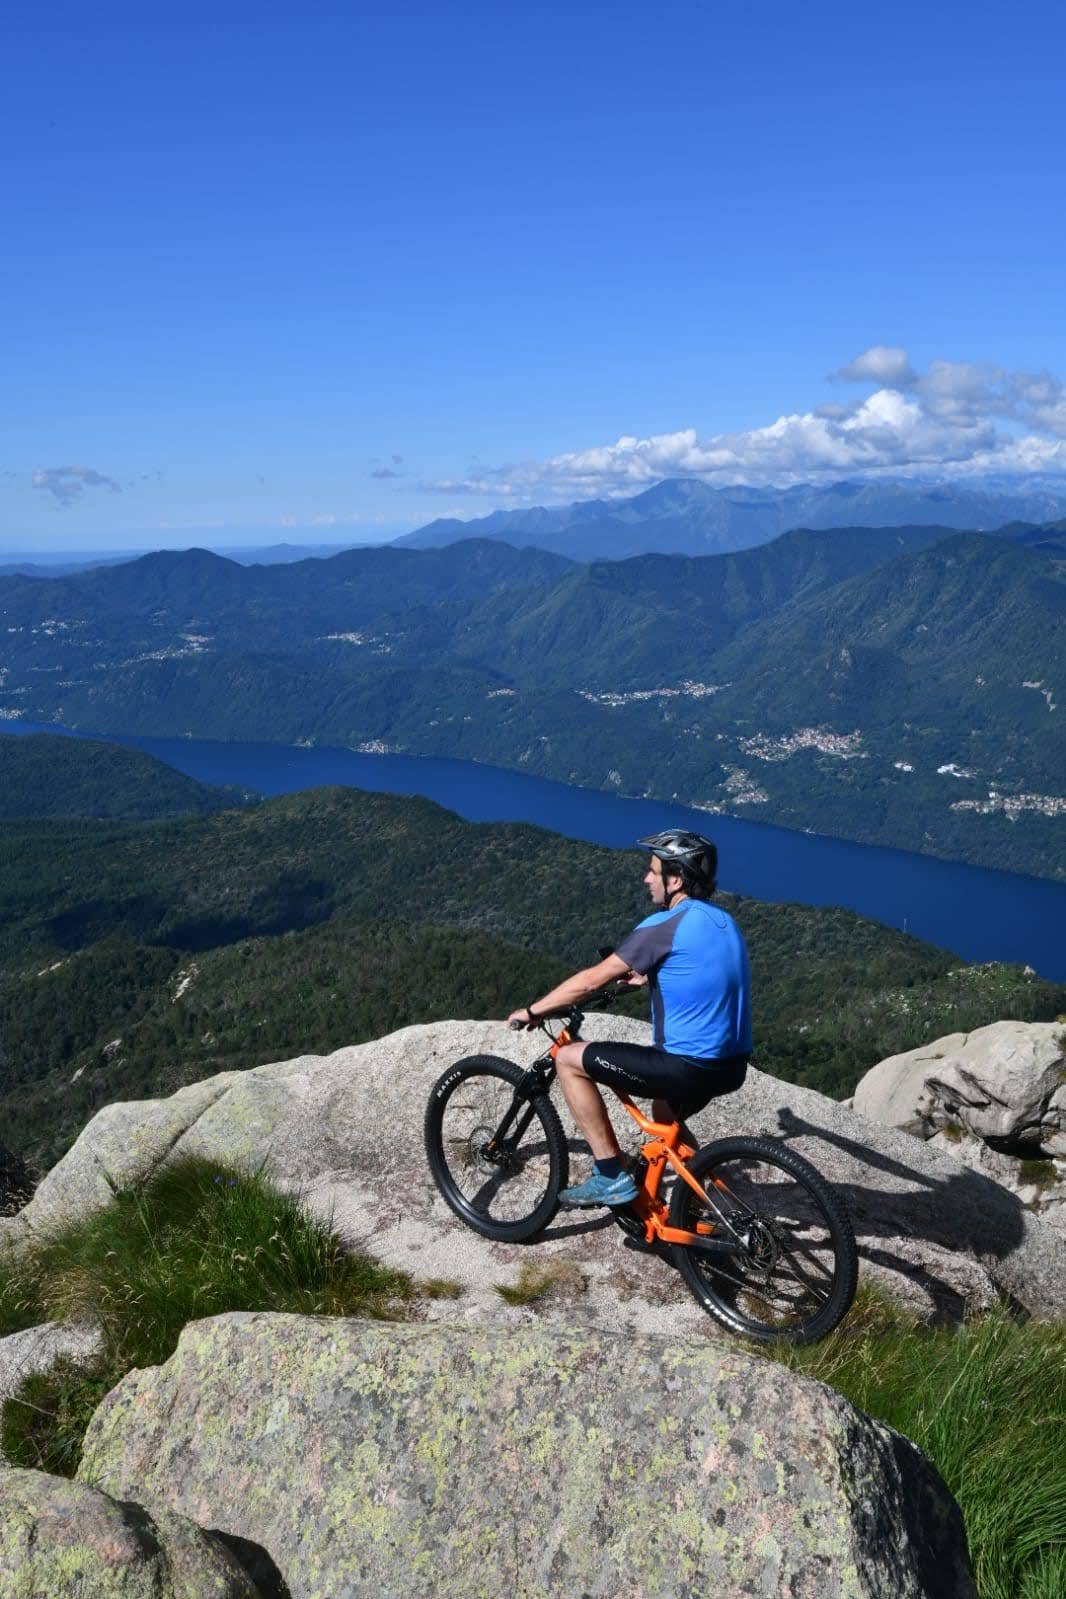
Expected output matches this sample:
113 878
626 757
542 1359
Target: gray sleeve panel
646 947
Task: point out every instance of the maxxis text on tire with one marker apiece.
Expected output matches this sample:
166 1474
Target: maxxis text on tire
511 1201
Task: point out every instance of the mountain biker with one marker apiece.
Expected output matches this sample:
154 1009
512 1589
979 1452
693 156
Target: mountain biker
691 955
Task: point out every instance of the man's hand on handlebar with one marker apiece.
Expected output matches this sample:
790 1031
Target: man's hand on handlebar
520 1020
523 1019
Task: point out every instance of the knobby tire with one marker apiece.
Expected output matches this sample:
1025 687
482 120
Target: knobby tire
508 1193
795 1279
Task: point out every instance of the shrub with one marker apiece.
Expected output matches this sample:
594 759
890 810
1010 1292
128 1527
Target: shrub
1040 1172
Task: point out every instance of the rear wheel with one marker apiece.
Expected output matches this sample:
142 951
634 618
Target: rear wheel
793 1273
498 1155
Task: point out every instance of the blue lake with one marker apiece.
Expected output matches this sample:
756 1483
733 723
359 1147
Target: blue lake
981 915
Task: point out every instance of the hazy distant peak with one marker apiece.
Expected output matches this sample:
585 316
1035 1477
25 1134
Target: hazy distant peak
685 516
196 557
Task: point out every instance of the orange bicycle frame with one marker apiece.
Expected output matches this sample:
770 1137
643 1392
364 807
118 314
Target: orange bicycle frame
664 1147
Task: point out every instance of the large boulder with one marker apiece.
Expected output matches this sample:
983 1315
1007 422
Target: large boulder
348 1458
345 1130
1005 1084
65 1540
994 1099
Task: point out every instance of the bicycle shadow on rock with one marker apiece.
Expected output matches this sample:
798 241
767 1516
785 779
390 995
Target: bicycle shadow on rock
965 1214
591 1222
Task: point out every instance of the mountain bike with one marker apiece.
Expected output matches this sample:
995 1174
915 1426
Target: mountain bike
758 1235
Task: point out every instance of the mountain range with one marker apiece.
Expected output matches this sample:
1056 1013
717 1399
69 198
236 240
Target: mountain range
894 685
685 516
20 563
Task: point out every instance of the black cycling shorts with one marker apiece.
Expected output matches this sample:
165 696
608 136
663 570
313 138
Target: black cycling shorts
686 1082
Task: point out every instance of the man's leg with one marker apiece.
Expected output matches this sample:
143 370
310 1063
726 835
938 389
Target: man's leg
586 1103
610 1183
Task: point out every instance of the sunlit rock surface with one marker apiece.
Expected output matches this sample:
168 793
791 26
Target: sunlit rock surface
358 1459
65 1540
345 1130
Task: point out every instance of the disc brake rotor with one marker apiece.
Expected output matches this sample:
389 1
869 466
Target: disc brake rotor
760 1244
499 1159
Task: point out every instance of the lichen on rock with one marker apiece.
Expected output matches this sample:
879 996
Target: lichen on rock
65 1540
458 1461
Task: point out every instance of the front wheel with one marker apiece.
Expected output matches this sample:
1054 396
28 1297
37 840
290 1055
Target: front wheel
497 1153
792 1274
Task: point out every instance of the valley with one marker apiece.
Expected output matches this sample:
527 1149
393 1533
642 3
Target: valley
895 686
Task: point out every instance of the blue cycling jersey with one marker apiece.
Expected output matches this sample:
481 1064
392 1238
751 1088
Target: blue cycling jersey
697 969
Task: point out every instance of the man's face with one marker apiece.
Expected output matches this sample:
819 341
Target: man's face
657 886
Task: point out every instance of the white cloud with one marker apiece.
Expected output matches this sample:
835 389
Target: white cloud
881 363
956 419
68 483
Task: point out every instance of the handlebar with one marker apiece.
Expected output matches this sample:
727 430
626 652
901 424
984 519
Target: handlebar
573 1017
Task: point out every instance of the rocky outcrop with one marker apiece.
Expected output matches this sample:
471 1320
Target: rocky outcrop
349 1458
65 1540
993 1099
1005 1084
345 1130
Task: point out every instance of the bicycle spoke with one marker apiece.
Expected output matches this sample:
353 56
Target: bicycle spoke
785 1272
501 1177
827 1276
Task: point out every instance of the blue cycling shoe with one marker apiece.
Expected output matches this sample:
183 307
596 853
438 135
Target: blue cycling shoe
600 1190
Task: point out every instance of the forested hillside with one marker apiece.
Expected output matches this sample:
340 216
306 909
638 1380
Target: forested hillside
137 957
899 686
42 776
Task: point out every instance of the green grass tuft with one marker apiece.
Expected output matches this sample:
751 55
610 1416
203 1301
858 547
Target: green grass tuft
440 1288
196 1240
987 1403
20 1294
43 1424
556 1279
1041 1172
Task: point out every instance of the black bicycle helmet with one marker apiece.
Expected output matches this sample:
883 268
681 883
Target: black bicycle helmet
691 856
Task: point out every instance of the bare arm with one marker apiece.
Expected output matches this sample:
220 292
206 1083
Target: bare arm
574 989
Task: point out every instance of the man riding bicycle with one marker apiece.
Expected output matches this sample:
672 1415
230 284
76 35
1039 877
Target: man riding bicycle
693 959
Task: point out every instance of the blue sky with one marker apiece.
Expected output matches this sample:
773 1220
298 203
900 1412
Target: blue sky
327 273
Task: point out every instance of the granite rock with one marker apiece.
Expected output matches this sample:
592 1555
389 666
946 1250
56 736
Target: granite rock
344 1130
65 1540
1005 1084
348 1458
